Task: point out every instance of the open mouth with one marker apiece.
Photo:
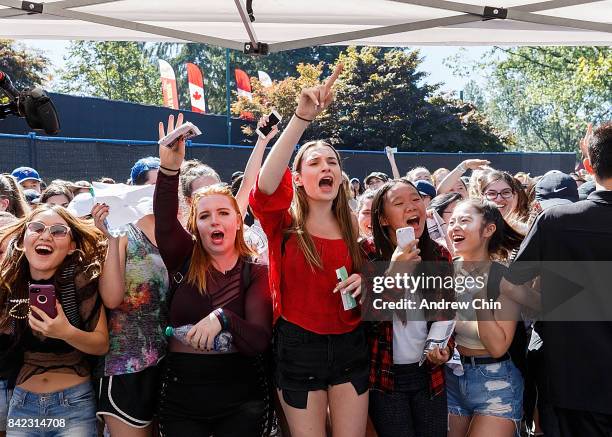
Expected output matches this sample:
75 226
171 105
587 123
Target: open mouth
217 237
326 182
43 249
458 238
413 221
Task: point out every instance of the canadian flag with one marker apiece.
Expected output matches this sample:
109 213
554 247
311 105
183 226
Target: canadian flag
168 85
264 78
243 84
196 88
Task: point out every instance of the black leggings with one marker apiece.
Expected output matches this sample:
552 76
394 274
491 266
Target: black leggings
409 411
203 395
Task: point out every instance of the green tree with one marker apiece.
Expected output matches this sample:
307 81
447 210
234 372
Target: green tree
25 67
380 101
547 95
116 70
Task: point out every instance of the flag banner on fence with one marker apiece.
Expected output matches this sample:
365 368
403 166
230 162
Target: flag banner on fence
196 88
243 84
264 78
168 85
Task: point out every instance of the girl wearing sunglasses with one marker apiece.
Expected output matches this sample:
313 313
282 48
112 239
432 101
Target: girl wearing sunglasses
50 246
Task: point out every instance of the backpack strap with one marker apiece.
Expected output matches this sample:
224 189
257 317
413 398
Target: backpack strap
176 279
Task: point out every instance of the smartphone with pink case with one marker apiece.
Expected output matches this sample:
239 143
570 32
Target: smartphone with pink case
42 296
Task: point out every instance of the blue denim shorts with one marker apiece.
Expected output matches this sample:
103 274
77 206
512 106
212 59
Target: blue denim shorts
66 413
5 396
486 390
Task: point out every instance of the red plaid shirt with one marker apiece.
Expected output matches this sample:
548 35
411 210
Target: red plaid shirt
380 340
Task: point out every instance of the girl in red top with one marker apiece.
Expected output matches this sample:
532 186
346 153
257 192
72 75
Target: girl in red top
320 348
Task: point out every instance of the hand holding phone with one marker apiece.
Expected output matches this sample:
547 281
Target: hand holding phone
42 296
404 236
273 119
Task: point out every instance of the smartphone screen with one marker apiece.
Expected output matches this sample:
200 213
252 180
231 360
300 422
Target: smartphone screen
273 120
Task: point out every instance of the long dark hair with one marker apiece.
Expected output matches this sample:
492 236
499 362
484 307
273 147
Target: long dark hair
429 251
384 245
505 239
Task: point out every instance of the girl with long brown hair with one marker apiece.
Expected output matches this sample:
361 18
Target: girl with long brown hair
217 287
50 247
320 347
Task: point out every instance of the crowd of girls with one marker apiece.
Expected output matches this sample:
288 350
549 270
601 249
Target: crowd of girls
300 359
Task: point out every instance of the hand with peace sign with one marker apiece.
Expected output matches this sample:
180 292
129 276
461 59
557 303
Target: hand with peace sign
172 157
311 102
314 100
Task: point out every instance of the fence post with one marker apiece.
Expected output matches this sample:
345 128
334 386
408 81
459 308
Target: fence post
32 156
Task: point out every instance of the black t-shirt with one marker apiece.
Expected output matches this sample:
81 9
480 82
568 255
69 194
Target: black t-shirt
570 248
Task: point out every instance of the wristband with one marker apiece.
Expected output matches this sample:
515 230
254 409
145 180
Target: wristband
302 118
169 169
222 317
462 167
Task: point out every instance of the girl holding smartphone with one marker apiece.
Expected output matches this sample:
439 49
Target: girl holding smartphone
320 348
51 247
407 399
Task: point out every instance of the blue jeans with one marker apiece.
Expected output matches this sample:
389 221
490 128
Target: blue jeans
486 390
67 413
5 396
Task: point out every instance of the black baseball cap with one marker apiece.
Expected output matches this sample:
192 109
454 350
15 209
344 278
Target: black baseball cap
556 188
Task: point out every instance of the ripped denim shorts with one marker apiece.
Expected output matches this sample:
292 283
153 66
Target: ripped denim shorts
486 390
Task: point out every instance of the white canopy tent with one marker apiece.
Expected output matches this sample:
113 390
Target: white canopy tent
289 24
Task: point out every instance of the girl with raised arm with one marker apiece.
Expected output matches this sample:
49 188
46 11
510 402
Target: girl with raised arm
205 388
133 286
320 347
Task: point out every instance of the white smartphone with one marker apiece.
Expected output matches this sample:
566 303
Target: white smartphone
186 130
273 119
404 236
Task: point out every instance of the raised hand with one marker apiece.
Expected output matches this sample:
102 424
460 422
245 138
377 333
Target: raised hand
171 157
314 100
261 123
584 142
100 212
475 164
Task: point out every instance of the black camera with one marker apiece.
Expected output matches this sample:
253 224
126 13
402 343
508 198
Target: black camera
33 104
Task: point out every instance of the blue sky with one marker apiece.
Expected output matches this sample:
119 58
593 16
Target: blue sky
432 63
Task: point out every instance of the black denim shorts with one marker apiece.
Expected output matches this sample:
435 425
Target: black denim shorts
305 361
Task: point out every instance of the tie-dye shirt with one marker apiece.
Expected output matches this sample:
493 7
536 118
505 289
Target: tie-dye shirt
136 326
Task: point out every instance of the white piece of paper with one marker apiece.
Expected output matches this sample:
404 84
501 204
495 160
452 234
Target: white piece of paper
438 336
455 363
127 203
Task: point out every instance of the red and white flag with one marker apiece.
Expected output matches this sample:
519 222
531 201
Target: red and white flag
196 88
264 78
168 85
243 84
